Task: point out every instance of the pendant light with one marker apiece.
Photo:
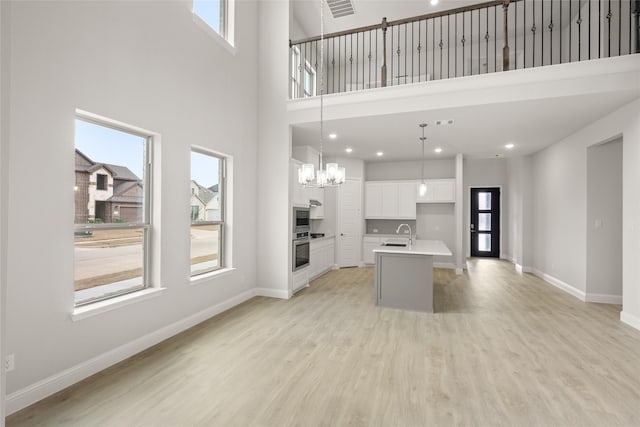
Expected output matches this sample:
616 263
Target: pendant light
423 185
333 175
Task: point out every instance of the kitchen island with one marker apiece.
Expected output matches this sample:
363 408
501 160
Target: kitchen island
404 274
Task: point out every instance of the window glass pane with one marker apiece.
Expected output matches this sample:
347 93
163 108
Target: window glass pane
107 262
109 167
205 253
211 12
484 242
109 189
484 201
484 222
206 206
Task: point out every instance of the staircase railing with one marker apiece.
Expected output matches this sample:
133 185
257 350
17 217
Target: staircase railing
489 37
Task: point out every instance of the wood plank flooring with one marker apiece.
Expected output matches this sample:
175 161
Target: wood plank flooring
501 349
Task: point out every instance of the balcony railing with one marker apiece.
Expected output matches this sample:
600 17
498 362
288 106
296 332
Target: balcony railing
495 36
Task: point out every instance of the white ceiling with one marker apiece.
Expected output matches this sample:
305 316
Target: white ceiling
478 131
367 12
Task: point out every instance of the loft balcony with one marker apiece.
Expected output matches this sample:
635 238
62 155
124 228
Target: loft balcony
491 37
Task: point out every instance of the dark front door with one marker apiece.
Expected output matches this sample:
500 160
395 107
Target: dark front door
485 222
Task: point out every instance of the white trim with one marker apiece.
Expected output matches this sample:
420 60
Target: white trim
447 265
110 304
630 319
519 268
33 393
560 284
203 278
604 298
214 34
272 293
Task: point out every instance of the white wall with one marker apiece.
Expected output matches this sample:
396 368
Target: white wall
604 221
145 64
384 171
487 173
274 150
518 207
4 163
560 206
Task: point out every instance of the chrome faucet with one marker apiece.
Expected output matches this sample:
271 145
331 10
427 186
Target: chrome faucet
409 227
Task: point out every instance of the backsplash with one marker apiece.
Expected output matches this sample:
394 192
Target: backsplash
388 226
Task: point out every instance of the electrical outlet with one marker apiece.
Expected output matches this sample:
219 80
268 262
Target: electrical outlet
10 362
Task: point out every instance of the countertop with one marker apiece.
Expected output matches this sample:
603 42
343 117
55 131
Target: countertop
419 247
387 236
317 239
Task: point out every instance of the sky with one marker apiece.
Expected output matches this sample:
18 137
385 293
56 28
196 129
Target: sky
209 11
105 145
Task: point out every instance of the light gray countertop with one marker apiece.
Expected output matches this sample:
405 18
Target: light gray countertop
317 239
419 247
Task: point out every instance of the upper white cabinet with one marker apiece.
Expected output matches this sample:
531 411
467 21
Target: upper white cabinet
317 212
390 200
298 194
438 191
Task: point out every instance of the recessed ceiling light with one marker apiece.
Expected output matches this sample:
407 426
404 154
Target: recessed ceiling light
349 150
509 146
434 2
445 122
379 153
438 150
333 136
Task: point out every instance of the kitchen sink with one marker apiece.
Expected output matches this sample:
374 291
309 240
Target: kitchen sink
400 245
397 242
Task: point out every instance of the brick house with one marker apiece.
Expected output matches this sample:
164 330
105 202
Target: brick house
109 193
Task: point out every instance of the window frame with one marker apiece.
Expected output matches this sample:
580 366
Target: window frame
310 71
226 20
222 191
147 210
295 71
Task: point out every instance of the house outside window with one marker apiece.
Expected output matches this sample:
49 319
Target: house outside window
112 221
207 232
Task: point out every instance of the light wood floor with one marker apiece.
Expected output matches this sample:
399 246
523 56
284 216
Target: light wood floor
501 349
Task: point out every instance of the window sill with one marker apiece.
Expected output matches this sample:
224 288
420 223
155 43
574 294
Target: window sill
100 307
201 278
214 35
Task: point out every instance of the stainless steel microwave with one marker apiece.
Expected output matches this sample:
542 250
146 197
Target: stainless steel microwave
301 219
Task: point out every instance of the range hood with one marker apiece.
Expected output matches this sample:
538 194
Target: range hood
314 202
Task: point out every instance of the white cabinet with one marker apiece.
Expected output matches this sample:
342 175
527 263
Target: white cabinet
321 256
407 200
368 245
390 200
317 212
438 191
299 195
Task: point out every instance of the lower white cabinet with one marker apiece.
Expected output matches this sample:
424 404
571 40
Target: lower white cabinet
321 257
368 245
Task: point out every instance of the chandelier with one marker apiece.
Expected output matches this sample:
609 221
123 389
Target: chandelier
332 175
423 185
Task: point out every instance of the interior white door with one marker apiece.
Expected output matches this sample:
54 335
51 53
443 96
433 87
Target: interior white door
350 223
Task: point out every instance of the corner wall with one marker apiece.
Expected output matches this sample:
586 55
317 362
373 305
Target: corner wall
148 64
560 208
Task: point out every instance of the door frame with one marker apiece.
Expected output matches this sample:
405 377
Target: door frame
467 219
338 261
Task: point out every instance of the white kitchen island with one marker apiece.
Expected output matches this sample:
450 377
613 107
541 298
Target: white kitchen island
404 275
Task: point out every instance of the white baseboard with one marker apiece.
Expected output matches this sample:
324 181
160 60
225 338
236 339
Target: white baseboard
604 298
519 268
459 271
33 393
523 268
630 319
560 284
272 293
447 265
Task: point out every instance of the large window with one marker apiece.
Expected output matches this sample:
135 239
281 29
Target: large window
207 211
112 211
295 72
215 13
309 80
